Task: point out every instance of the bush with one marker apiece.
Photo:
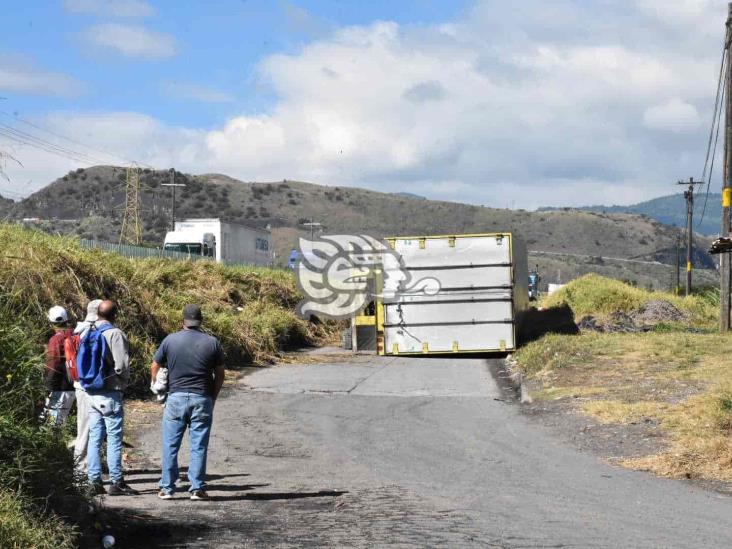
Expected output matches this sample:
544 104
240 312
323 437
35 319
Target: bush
22 526
599 296
31 455
247 308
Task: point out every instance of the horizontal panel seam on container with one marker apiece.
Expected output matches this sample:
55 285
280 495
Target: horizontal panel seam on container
463 323
458 288
455 267
446 301
444 236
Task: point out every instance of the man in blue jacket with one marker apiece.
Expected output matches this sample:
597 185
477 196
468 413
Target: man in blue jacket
195 363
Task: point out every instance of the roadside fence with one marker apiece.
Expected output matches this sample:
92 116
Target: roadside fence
142 252
139 252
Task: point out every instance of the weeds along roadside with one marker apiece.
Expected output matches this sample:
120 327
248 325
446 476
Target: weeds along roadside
31 457
250 309
677 375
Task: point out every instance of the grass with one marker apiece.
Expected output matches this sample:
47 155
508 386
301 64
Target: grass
22 527
250 309
599 296
672 377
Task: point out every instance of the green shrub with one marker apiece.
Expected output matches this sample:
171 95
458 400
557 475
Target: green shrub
23 527
249 309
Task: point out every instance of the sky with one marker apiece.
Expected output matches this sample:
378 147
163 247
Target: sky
507 104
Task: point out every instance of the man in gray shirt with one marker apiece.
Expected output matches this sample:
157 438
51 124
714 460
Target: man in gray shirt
195 363
106 409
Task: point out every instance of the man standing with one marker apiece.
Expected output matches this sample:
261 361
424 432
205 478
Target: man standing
106 410
60 390
195 363
82 404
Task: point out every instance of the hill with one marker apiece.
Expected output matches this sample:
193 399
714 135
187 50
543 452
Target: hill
670 210
89 202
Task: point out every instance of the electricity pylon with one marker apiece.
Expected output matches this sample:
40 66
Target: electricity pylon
131 232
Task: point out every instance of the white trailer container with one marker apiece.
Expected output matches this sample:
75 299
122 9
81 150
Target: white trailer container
483 291
225 242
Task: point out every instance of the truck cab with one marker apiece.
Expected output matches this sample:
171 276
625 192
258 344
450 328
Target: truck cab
192 243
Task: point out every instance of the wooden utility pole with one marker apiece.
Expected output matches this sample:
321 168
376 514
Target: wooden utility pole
724 260
689 196
677 287
173 185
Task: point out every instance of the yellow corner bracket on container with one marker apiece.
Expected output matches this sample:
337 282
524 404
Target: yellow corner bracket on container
727 197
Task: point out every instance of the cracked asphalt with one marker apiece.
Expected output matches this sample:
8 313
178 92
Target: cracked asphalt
407 452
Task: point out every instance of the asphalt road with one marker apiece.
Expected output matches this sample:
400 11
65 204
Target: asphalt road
411 452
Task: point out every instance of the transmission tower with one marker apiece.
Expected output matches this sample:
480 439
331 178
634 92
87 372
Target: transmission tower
131 232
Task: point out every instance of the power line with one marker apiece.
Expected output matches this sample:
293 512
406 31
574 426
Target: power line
48 146
716 120
76 142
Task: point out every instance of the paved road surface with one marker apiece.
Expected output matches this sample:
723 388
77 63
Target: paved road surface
412 452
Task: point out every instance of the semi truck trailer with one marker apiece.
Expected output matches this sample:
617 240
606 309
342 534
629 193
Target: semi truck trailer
221 241
477 294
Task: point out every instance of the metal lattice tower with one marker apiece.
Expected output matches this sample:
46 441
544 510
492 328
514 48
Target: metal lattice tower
131 232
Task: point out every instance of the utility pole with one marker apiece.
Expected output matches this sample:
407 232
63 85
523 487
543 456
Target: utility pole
173 185
312 224
724 260
677 287
689 196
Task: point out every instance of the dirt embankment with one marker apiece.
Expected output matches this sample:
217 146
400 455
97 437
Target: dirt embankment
647 383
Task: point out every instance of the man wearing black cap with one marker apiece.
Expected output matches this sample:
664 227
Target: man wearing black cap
195 363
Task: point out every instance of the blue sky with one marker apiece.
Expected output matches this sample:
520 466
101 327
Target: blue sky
217 45
528 103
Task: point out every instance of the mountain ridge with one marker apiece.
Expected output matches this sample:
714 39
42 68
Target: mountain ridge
89 203
669 210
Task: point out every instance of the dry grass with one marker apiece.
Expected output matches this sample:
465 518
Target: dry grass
679 380
599 296
250 309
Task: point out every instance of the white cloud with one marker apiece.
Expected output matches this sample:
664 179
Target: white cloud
674 115
524 104
131 41
111 8
19 74
196 92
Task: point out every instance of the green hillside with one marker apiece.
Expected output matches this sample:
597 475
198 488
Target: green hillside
89 203
671 210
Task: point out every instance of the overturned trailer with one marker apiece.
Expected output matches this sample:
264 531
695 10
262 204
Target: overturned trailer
452 294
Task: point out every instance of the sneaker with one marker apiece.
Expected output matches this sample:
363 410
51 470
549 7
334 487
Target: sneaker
96 489
165 494
119 488
199 495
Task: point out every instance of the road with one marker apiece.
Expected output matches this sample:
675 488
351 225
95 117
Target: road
397 451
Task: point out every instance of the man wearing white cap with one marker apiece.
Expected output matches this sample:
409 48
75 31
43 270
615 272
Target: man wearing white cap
82 403
61 392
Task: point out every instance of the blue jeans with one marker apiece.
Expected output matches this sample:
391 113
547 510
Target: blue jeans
106 414
195 412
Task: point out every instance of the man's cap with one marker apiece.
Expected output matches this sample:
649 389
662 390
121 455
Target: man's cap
58 315
92 311
192 316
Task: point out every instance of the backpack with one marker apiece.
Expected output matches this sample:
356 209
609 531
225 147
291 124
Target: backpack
71 350
91 358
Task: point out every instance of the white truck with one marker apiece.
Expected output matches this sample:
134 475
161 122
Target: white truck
221 241
478 302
